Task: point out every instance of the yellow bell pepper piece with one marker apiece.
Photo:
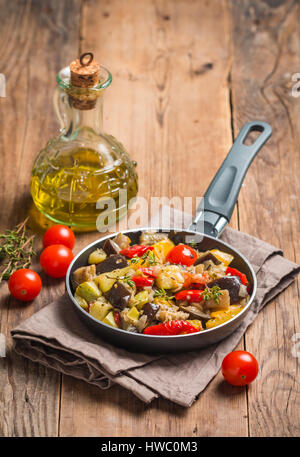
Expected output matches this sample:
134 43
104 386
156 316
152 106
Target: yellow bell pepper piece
196 323
133 314
219 317
222 256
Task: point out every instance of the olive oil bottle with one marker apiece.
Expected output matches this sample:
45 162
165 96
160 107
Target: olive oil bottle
82 166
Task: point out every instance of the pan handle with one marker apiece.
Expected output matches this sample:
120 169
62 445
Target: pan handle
217 205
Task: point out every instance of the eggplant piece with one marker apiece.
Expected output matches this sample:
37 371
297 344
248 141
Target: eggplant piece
207 256
150 310
110 247
195 312
118 295
230 283
113 262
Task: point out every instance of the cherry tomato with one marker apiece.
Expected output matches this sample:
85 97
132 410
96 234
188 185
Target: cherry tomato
59 234
55 260
190 295
239 368
24 284
182 254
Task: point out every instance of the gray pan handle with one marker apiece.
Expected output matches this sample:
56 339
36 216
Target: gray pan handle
217 206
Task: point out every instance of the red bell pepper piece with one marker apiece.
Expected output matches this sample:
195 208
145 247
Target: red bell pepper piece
136 250
190 295
148 272
142 281
234 272
171 328
117 318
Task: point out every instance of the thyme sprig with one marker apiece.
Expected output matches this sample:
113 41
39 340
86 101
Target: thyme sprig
162 293
150 257
16 250
212 294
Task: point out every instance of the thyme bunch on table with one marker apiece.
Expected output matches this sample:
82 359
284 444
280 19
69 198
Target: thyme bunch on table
16 250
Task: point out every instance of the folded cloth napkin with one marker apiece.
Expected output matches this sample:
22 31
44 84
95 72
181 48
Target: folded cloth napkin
55 337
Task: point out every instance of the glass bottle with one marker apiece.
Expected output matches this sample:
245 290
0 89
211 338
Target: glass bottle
82 167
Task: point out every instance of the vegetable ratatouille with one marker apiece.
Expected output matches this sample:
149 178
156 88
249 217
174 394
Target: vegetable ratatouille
157 288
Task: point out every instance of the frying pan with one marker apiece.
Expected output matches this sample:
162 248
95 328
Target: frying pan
212 217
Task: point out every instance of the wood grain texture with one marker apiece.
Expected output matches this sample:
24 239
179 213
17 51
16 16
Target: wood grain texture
36 39
266 53
169 104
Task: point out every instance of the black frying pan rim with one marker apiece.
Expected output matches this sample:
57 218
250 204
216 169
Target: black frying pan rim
192 232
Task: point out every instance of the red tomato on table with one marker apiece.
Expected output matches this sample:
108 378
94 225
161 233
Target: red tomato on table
239 368
24 284
59 234
55 260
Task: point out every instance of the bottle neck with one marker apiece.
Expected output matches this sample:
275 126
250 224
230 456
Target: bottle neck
89 118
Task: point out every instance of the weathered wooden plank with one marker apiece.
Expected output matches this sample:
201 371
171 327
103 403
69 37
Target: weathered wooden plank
265 55
36 39
169 105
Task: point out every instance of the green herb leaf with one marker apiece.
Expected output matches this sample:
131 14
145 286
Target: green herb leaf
212 294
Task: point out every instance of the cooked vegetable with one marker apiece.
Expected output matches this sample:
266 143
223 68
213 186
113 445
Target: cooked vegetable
117 318
136 250
190 295
207 256
162 248
142 281
170 277
133 314
81 302
110 320
152 237
216 299
183 255
97 256
230 283
140 299
219 317
99 310
225 258
171 328
160 288
150 310
119 295
122 240
110 247
88 290
106 280
113 262
235 272
83 274
196 312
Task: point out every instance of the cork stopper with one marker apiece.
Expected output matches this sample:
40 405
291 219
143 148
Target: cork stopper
85 73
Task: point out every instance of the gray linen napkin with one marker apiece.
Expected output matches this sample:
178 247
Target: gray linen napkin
55 337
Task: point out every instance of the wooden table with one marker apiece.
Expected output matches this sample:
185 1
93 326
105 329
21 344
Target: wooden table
187 75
